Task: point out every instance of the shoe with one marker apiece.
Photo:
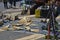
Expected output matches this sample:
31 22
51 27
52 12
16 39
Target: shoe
10 7
14 7
6 7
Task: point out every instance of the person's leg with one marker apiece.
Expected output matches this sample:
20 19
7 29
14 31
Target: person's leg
10 1
5 5
14 3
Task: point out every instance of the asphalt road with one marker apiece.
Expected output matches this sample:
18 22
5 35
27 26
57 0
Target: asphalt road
2 6
18 35
10 35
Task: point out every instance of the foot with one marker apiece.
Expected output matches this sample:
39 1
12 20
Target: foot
6 7
10 7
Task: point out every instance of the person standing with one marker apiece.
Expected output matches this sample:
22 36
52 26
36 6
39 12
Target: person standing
12 3
5 4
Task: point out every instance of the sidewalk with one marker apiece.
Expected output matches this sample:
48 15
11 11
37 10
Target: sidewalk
32 37
2 6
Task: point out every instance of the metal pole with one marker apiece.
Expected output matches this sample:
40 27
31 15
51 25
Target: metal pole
52 21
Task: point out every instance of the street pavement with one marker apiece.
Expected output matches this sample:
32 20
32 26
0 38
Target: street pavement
11 11
2 6
23 35
14 35
10 35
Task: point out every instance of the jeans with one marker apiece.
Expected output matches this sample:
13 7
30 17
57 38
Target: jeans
12 2
5 5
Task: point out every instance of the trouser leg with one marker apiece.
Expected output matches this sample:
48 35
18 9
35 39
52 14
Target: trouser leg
10 1
5 5
14 3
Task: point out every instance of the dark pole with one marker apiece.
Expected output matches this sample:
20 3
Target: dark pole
52 19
